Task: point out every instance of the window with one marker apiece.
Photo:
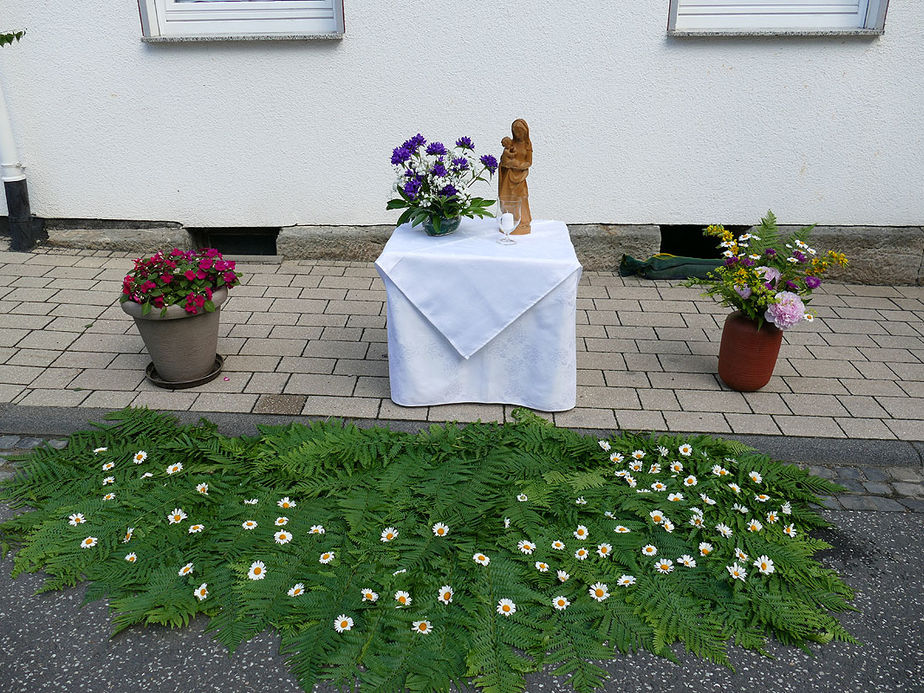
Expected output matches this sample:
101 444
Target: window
185 20
692 17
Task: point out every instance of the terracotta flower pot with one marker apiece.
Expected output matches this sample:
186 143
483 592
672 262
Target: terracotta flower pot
182 346
747 355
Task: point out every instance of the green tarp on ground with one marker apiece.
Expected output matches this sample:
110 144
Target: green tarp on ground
667 266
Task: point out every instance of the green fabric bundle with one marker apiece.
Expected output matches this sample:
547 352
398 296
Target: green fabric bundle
667 266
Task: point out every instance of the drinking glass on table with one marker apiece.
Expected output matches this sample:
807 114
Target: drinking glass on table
508 218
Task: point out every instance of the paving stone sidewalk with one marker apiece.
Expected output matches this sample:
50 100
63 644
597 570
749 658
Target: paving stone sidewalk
308 338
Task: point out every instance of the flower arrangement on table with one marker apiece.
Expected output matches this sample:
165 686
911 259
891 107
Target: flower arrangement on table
766 279
433 180
182 277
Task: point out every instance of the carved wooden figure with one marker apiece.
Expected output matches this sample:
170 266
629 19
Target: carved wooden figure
514 167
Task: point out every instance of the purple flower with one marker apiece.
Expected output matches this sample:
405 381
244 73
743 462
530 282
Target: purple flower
812 282
489 162
400 155
461 163
439 170
743 291
788 310
747 262
770 252
448 191
413 144
412 187
771 274
465 143
436 149
792 286
729 261
800 257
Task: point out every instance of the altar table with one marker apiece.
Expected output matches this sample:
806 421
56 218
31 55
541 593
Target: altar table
470 320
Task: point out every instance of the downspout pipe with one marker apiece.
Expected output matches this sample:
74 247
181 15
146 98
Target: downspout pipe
25 230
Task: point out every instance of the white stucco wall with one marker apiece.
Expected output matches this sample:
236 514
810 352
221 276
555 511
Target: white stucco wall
628 126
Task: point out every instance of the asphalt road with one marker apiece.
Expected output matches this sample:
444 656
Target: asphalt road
49 643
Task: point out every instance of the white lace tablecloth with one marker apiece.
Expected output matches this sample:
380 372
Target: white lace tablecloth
470 320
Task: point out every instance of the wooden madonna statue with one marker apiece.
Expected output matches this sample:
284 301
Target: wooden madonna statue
514 167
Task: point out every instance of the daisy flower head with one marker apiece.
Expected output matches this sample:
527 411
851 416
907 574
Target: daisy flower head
599 591
481 559
755 477
296 590
140 457
317 529
664 566
604 445
422 627
580 532
638 454
525 546
108 480
736 571
580 501
506 523
764 565
257 570
560 602
108 465
609 514
676 467
147 475
343 623
522 497
697 521
440 530
185 570
201 591
772 517
675 497
389 533
558 545
786 508
506 607
174 468
562 575
282 537
734 487
445 595
176 516
626 580
706 499
109 496
285 503
657 516
668 526
687 560
635 466
723 529
621 529
654 469
580 554
76 519
686 450
282 521
326 557
790 530
740 508
719 470
251 501
649 550
616 458
97 451
761 497
663 451
203 489
131 557
249 524
369 595
604 550
690 481
658 486
754 525
129 531
542 567
631 481
403 598
621 473
195 529
740 555
705 548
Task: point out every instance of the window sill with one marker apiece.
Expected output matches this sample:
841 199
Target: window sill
332 36
771 33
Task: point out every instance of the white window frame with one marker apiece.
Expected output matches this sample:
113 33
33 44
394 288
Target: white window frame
215 20
760 17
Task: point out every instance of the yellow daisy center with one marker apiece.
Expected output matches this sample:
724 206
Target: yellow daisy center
447 595
598 592
422 627
257 570
603 549
441 531
505 607
344 624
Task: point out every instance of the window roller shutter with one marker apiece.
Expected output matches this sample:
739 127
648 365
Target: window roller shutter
758 15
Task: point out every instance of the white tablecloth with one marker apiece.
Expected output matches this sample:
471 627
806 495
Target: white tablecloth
470 320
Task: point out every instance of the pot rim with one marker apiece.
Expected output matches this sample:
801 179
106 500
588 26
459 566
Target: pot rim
174 312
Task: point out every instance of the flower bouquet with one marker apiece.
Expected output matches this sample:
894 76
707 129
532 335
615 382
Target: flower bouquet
433 180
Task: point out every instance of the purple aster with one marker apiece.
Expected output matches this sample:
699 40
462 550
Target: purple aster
747 262
792 286
461 163
412 187
465 143
812 282
400 155
800 257
729 261
436 149
439 169
413 144
489 162
770 251
448 191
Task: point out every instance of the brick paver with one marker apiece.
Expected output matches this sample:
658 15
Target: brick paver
308 337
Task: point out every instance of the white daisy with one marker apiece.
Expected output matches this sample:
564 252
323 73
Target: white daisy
609 514
560 602
657 516
176 516
723 529
108 465
740 555
616 458
296 590
140 457
403 598
249 524
604 445
203 489
736 571
128 535
654 469
734 487
343 623
635 466
690 481
697 521
131 557
638 455
369 595
755 477
621 473
676 467
251 501
761 497
790 530
786 508
440 530
664 565
685 450
195 529
580 554
772 517
317 529
620 529
108 480
201 591
705 548
558 545
506 607
506 523
675 497
257 570
76 519
687 560
562 575
764 565
580 501
542 567
604 550
389 533
525 546
285 503
174 468
185 570
626 580
282 537
658 486
649 550
445 594
422 627
719 470
599 591
740 508
706 499
631 481
147 475
522 497
663 451
754 525
326 557
481 559
580 532
668 526
282 521
109 496
96 451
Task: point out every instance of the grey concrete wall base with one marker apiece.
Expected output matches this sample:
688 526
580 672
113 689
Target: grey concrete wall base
129 240
601 246
875 254
357 243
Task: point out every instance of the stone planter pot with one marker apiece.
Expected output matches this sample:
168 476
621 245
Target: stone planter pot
183 346
747 356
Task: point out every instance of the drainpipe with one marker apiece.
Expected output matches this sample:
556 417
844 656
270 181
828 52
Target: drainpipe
25 230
